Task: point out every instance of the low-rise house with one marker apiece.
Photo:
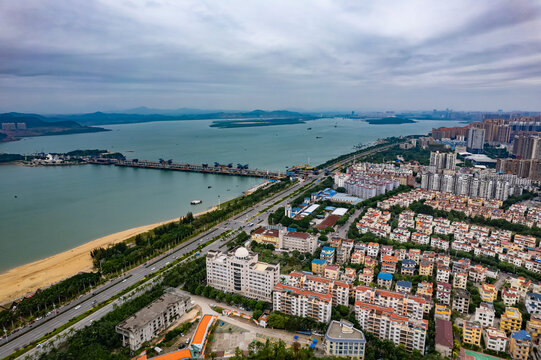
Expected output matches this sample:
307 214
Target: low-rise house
471 333
403 286
511 320
332 272
408 267
520 345
426 268
510 296
442 312
461 301
425 288
443 293
328 254
367 276
485 314
318 266
533 303
385 280
533 326
460 280
495 340
442 273
488 292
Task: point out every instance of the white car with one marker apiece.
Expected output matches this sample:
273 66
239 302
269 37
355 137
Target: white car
77 307
153 269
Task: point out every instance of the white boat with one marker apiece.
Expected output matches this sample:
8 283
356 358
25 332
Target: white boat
196 202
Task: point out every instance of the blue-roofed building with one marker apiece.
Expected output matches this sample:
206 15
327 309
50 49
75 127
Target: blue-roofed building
533 303
385 280
318 266
330 208
403 286
408 267
520 345
327 253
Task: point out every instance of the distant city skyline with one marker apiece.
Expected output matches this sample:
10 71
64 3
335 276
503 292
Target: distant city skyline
311 55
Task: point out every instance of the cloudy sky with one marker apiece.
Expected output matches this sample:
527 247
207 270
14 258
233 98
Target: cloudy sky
62 56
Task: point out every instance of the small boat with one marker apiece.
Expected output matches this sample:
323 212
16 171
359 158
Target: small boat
319 137
196 202
309 129
209 186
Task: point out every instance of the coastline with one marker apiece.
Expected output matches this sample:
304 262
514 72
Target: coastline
24 279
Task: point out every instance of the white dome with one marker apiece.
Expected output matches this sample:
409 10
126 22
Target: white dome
242 253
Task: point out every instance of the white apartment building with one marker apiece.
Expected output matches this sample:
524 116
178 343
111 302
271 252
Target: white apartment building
485 314
338 289
240 272
296 301
300 241
384 323
495 339
403 304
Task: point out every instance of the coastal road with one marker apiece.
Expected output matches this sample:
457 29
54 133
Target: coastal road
105 292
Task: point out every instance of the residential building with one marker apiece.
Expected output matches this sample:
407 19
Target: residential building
343 340
443 160
408 267
443 293
533 326
510 296
384 323
488 292
511 320
485 314
444 337
425 288
318 266
403 286
442 312
385 280
426 268
271 236
300 241
476 140
442 273
460 280
367 276
148 322
322 285
461 301
240 272
495 340
299 302
520 345
332 272
327 254
533 303
471 333
403 304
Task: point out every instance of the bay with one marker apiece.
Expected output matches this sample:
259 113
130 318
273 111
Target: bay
46 210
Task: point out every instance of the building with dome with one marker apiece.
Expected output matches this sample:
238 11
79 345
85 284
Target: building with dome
239 272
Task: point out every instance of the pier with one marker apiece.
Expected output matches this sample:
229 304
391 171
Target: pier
222 169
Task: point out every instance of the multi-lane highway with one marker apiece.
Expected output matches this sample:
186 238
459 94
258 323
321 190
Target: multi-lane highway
112 288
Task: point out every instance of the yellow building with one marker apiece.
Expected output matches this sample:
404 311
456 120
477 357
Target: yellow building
511 320
426 268
488 292
533 326
471 333
442 312
520 345
318 266
267 236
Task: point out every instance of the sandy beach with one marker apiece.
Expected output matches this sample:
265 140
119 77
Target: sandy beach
24 279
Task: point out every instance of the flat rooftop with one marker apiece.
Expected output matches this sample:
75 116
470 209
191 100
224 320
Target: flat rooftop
343 331
151 311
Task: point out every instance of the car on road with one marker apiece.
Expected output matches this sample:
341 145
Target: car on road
77 307
153 269
167 263
124 280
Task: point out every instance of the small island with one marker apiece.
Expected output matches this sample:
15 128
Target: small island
390 121
76 157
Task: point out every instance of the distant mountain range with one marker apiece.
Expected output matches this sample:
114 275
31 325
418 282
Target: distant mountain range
14 126
102 118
